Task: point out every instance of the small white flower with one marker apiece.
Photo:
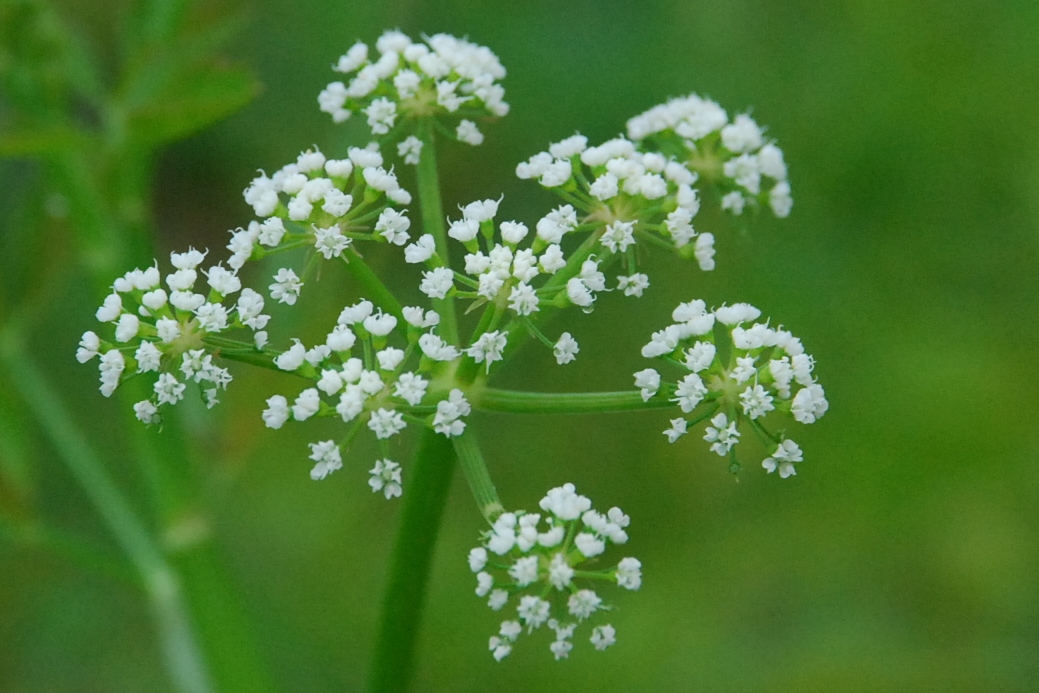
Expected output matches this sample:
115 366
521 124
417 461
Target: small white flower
223 281
389 358
410 149
127 327
618 236
481 210
385 423
168 389
524 571
89 344
484 583
513 231
437 282
678 429
780 200
393 226
690 392
277 412
435 348
146 412
721 434
415 317
523 300
467 132
477 559
742 135
421 250
589 544
356 313
566 349
700 356
293 358
327 457
498 599
212 317
488 348
341 338
329 242
786 455
583 604
148 357
380 324
629 573
809 404
756 402
603 636
648 381
633 285
306 405
533 611
286 286
734 202
382 114
411 388
385 477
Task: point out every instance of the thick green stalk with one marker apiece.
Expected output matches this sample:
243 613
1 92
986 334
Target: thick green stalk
424 501
492 399
433 223
373 286
180 650
475 469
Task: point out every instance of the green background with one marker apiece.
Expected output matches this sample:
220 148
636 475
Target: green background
904 555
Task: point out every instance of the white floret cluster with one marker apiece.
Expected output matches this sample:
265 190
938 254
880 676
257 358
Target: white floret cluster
735 155
537 563
626 195
737 371
512 272
325 204
170 332
372 371
442 76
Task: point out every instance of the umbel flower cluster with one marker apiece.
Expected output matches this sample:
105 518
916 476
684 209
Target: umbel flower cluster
737 371
539 564
386 367
443 77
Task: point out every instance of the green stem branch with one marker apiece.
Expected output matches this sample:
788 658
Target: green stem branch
424 501
493 399
475 469
433 223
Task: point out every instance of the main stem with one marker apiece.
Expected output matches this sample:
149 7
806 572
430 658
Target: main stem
426 493
424 501
433 223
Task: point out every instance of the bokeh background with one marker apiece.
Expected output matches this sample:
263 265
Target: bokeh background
904 555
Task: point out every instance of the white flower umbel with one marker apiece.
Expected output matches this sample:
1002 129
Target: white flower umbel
373 372
647 188
403 81
173 332
536 561
738 373
752 168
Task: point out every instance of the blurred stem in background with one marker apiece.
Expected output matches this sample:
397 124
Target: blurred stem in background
95 145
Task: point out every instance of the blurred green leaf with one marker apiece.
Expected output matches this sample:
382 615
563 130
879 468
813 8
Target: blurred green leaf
39 141
191 104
